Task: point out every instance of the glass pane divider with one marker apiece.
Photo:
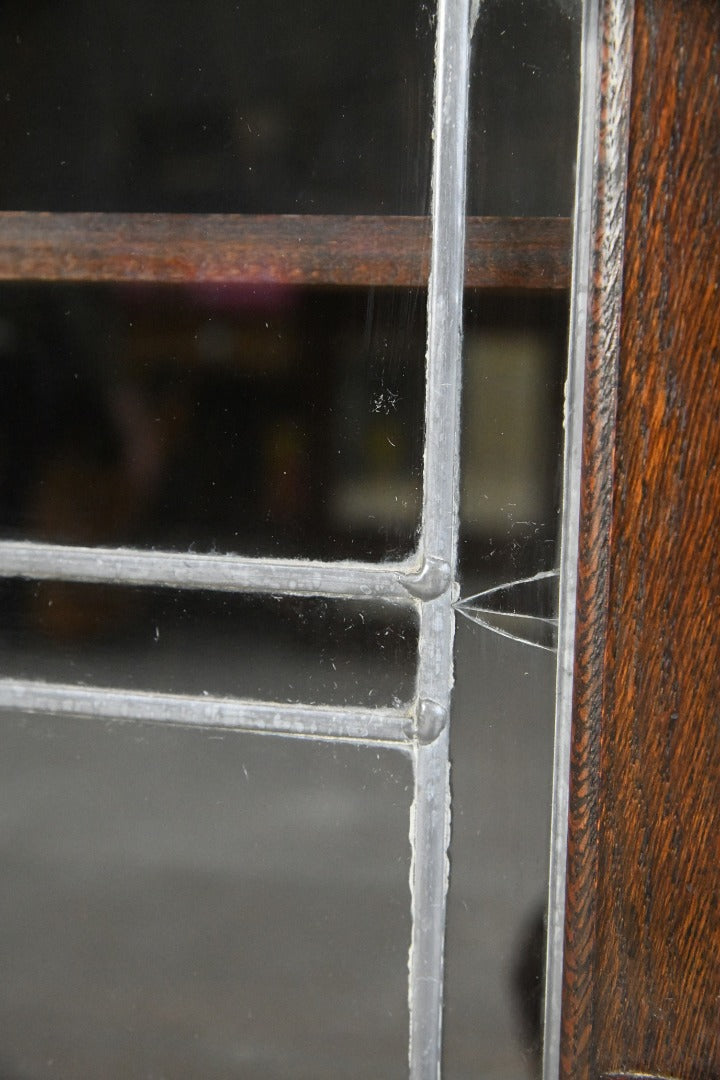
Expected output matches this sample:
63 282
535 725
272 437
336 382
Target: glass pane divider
398 583
430 821
386 726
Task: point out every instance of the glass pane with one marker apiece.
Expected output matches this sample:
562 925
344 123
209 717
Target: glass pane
513 383
185 905
502 751
221 644
261 420
504 695
523 133
313 107
523 107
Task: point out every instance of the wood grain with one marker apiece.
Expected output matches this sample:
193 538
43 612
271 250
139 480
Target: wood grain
507 253
634 1076
645 897
593 583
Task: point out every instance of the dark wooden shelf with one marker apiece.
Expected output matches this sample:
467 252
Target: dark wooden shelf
503 253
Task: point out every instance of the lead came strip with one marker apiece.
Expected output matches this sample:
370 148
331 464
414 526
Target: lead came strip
430 823
224 573
388 726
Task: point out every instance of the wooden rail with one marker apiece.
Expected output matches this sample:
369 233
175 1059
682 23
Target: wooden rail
503 253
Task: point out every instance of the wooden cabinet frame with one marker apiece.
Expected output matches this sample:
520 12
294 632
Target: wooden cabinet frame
641 986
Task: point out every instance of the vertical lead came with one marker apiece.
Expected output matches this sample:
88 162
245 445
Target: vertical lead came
430 822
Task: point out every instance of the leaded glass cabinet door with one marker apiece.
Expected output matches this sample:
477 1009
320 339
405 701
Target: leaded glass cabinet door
284 323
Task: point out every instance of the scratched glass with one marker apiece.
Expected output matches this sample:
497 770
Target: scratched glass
262 420
182 904
219 107
286 649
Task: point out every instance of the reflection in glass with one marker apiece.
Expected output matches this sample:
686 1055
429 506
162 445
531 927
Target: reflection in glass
270 648
263 420
513 381
216 107
179 904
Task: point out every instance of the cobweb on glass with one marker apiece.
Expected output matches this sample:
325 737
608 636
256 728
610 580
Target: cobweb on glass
524 610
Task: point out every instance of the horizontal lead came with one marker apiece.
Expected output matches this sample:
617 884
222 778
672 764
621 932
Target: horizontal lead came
190 570
386 726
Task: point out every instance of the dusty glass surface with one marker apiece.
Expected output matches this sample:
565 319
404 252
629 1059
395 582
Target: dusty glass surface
180 904
216 107
262 420
181 641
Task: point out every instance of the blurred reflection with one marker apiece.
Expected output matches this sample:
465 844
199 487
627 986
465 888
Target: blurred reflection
180 904
514 372
280 107
174 641
258 420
